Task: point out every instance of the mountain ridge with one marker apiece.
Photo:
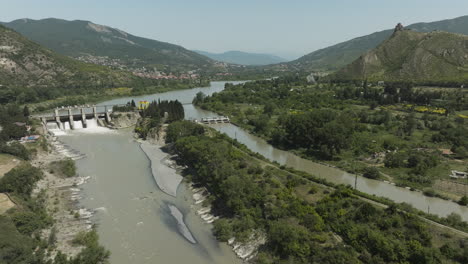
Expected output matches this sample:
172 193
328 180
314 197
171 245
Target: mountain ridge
336 56
83 39
409 55
243 58
28 64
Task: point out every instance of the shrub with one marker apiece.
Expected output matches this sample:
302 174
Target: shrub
65 167
15 149
371 173
21 180
463 200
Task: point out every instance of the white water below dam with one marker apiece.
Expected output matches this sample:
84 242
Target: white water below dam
137 221
92 127
78 124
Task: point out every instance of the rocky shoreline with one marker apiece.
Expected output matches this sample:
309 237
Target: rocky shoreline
243 250
156 140
61 198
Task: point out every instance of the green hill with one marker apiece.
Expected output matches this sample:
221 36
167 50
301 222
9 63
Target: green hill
24 63
95 42
339 55
413 56
243 58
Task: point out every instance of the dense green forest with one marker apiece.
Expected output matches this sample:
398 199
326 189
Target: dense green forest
393 130
304 222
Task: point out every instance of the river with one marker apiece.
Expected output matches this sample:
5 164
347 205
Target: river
418 200
134 216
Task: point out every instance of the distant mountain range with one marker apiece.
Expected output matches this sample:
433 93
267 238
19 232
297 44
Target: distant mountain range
106 45
413 56
25 64
339 55
243 58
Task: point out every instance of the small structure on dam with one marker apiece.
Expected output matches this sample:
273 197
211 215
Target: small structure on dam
71 116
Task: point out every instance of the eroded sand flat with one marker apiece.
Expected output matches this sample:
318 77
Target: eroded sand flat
166 178
177 214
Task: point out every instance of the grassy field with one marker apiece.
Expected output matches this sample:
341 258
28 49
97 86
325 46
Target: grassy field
7 162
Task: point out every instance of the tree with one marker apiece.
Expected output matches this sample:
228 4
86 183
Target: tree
223 230
463 200
269 108
371 173
289 239
20 180
409 124
199 98
394 160
26 112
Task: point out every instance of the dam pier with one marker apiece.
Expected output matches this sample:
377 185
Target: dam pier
72 117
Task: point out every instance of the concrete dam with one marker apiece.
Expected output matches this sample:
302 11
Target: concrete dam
74 117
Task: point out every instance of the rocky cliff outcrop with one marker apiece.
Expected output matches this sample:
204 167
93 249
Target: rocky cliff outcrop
413 56
124 119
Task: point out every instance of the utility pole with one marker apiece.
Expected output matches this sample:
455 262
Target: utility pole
466 183
355 181
355 175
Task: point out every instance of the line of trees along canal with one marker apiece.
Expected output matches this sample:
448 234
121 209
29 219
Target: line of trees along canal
303 222
397 128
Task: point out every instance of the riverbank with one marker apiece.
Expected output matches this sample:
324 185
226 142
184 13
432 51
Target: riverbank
61 200
256 197
166 172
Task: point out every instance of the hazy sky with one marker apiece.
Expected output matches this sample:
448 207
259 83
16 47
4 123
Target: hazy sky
284 27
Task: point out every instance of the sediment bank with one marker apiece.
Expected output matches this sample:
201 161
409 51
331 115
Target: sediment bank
166 178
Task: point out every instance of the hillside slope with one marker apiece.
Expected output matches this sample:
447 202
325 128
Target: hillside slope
24 63
408 55
339 55
85 39
243 58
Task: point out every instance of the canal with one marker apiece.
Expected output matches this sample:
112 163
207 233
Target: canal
134 216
